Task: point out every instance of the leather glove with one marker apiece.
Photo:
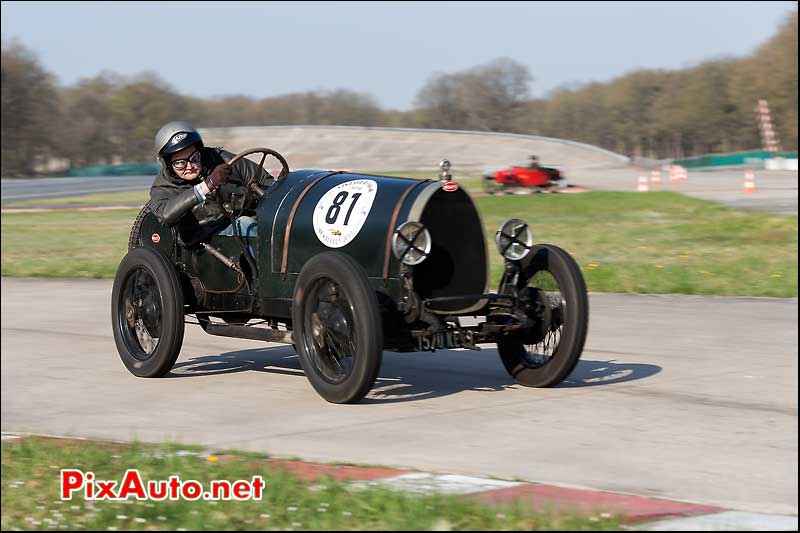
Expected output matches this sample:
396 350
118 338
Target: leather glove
218 176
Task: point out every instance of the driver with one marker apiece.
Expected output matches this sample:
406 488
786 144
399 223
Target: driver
184 192
534 164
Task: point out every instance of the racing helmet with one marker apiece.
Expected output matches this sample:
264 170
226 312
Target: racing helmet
173 137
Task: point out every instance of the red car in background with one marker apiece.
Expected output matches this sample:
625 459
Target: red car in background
535 177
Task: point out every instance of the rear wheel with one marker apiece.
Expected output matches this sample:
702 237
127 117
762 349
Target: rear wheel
337 327
147 313
489 186
554 294
135 238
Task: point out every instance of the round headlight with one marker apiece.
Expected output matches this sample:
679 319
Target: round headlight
411 243
514 239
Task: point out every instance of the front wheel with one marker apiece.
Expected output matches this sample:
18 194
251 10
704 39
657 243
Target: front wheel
553 293
147 313
337 327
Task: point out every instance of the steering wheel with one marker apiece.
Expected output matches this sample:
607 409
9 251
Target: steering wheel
252 186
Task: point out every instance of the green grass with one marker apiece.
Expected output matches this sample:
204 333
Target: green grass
30 496
111 198
65 243
471 182
659 242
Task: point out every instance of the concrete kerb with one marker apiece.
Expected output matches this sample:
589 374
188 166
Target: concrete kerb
638 512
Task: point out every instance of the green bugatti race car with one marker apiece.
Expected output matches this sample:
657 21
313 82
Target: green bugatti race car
344 266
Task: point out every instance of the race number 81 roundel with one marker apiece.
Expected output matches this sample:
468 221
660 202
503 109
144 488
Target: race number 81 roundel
342 211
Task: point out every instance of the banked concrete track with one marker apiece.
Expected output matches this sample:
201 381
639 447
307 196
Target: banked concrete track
363 149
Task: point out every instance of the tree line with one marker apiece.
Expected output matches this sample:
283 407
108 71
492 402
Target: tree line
650 113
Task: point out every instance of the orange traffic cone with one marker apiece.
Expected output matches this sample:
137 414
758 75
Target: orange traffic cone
749 181
655 177
677 173
643 183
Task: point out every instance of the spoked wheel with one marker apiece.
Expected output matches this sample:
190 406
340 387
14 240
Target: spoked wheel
135 238
142 314
330 324
337 328
147 313
553 293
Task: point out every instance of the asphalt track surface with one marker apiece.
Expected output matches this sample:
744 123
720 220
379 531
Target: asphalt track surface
679 397
32 189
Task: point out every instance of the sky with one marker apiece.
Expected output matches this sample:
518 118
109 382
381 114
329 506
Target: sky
386 49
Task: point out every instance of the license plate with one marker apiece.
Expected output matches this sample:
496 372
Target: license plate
448 339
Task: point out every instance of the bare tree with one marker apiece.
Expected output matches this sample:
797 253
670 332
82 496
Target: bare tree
486 97
138 108
30 107
87 132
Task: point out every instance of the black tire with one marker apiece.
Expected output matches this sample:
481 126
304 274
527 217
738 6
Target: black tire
524 362
147 301
489 185
337 328
135 238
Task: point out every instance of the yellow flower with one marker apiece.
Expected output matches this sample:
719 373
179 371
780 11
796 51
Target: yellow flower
212 458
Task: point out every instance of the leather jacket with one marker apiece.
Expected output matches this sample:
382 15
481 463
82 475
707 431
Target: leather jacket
174 202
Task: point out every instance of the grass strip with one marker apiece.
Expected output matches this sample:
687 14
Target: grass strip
657 243
31 496
108 198
661 242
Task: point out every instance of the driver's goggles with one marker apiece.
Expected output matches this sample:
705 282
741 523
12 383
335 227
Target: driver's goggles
181 164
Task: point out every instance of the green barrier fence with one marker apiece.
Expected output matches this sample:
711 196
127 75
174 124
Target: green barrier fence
126 169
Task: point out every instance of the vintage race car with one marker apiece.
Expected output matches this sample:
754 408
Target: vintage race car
520 176
344 266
